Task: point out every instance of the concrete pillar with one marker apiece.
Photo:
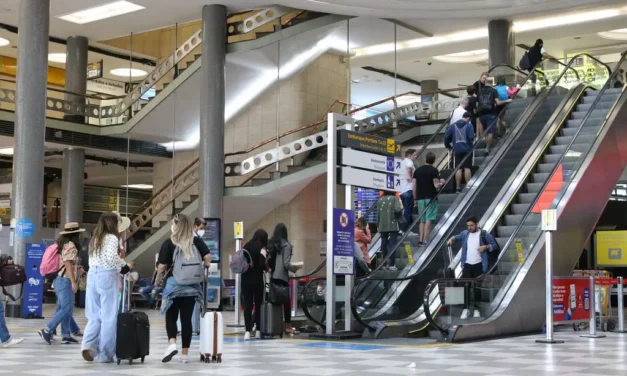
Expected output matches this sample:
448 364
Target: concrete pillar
72 185
76 73
429 86
212 102
28 144
501 45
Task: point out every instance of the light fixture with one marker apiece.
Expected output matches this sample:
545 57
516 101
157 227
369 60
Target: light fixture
566 19
6 151
618 34
138 186
101 12
4 42
57 57
474 56
128 72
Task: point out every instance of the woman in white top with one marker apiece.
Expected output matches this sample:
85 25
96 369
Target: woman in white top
102 288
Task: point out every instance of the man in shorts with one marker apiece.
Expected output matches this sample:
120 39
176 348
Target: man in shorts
460 137
426 184
487 102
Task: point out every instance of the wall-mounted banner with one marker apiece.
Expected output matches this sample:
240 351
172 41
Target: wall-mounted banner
343 242
34 285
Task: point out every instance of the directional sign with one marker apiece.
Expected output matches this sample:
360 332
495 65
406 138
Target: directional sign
369 179
366 142
370 161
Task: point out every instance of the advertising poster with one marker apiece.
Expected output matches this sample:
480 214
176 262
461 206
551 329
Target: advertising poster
211 238
571 299
34 285
343 242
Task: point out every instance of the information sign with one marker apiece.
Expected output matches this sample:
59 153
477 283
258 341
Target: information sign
34 285
369 161
238 230
212 237
366 142
343 242
369 179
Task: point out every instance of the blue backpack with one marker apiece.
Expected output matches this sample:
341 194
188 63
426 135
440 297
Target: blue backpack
502 91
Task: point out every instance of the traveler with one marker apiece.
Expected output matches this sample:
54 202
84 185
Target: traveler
362 268
151 291
476 244
426 184
5 337
252 281
481 83
280 264
102 288
472 106
179 298
459 112
407 196
532 57
460 137
65 284
488 100
199 227
363 237
388 211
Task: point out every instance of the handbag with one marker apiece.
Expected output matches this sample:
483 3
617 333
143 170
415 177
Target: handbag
11 275
278 294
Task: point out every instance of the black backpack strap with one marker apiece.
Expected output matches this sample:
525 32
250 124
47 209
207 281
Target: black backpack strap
11 296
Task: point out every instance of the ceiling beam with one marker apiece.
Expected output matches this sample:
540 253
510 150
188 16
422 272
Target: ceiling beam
409 27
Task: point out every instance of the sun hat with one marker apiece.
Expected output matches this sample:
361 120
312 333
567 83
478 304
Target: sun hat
71 228
123 223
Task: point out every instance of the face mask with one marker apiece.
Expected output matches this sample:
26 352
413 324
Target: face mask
200 233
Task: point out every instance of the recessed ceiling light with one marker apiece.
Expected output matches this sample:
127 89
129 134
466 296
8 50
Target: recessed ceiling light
101 12
128 72
6 151
619 34
4 42
464 57
138 186
57 57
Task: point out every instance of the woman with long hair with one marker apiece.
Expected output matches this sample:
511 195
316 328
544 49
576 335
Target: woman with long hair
65 285
281 264
178 298
101 300
363 237
252 281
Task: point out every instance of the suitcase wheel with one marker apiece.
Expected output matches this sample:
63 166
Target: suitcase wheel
281 335
143 359
130 361
219 359
202 358
119 360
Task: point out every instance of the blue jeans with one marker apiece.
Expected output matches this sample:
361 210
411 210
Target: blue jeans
74 328
101 304
5 336
388 242
65 306
407 199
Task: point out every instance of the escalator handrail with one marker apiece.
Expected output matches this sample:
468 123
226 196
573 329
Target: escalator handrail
372 276
536 70
305 309
568 66
535 201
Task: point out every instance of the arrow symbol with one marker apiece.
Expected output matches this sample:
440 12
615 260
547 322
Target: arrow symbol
398 147
398 164
398 182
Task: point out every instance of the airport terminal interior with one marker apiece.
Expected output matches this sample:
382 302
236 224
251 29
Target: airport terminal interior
313 187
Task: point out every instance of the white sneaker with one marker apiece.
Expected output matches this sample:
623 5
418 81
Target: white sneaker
183 359
258 334
170 351
464 315
392 268
247 336
13 342
477 314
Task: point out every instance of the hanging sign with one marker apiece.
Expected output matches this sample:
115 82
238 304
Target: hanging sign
94 70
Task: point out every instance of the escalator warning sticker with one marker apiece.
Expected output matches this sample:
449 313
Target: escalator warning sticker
410 256
519 251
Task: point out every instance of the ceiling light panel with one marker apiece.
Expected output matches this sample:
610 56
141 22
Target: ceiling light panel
464 57
619 34
4 42
128 72
102 12
57 58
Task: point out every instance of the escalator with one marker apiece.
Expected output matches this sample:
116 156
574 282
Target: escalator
398 309
573 170
372 294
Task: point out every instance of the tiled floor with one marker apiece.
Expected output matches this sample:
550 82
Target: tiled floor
519 356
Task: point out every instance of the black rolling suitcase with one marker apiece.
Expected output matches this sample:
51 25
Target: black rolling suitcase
133 333
271 318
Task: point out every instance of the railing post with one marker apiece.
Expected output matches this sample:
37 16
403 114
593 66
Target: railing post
294 296
593 308
621 306
549 224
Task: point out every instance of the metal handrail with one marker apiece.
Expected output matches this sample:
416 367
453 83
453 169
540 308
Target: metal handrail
404 236
544 186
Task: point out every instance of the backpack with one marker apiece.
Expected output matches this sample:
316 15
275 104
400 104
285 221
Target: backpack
486 99
525 62
494 255
502 92
239 262
11 274
460 142
49 267
188 272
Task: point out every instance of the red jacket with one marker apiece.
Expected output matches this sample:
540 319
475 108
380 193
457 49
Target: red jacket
363 239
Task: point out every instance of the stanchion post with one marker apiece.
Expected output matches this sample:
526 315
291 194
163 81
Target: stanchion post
593 308
239 236
549 224
294 296
621 306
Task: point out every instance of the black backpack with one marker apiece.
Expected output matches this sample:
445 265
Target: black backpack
525 62
486 99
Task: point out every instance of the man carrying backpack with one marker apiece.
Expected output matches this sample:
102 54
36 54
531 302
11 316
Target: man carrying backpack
477 244
531 58
460 137
487 102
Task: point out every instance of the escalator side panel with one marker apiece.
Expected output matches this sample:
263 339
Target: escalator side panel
579 210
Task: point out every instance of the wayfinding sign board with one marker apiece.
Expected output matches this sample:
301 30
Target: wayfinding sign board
366 142
369 161
369 179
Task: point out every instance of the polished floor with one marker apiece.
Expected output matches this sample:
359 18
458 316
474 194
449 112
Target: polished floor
519 356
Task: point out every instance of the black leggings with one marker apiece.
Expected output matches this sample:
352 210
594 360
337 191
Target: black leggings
253 294
185 306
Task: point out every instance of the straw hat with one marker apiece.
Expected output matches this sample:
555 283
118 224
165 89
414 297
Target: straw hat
123 223
71 228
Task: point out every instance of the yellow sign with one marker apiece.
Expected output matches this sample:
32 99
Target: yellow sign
519 251
391 145
611 248
410 255
238 230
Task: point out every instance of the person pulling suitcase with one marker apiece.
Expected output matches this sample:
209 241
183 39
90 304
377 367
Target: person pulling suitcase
271 314
133 331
